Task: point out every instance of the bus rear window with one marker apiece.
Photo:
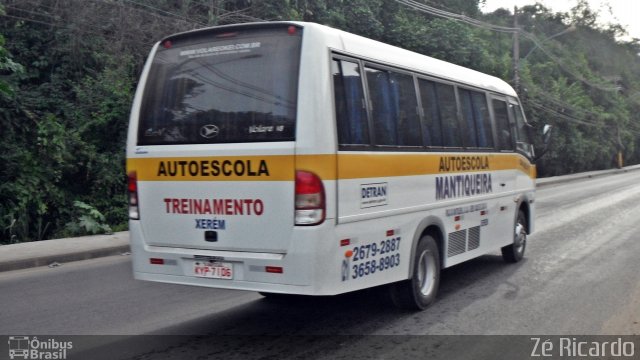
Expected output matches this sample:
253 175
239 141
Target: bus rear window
222 88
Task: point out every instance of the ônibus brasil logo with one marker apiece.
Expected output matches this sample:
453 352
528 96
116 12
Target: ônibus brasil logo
32 348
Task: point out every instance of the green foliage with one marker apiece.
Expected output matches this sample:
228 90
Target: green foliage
64 131
69 69
7 65
88 221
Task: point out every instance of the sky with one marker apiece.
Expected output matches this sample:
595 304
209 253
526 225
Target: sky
624 12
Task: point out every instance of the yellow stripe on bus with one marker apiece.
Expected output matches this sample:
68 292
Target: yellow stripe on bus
326 166
228 168
353 166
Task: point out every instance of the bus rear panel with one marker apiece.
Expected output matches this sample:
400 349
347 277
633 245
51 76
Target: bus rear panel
295 158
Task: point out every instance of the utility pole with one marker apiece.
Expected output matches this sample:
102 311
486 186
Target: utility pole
620 148
516 51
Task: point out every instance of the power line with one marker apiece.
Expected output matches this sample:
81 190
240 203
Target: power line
224 13
548 98
629 127
51 19
30 20
504 29
565 68
80 30
30 12
457 17
564 116
171 14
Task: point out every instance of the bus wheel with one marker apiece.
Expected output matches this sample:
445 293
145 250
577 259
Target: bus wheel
274 296
515 252
420 291
278 298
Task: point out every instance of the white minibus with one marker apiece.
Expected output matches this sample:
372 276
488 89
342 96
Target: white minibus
294 158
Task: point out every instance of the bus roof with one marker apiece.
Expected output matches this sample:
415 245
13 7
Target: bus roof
380 52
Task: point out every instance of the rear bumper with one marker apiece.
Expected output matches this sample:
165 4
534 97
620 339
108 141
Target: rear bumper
300 265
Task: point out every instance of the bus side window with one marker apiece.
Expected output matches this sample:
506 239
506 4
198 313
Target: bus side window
523 141
482 119
468 123
351 114
380 102
476 119
432 126
449 115
408 120
505 140
393 108
384 102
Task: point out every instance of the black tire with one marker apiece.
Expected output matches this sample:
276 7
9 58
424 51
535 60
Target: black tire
421 289
275 296
283 298
515 252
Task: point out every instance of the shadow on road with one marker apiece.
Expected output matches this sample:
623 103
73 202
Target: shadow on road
343 326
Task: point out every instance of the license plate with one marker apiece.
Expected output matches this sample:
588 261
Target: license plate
217 270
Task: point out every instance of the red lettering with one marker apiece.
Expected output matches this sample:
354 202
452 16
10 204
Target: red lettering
218 206
207 207
197 206
248 203
258 207
214 206
237 207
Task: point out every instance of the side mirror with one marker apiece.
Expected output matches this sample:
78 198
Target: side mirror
546 140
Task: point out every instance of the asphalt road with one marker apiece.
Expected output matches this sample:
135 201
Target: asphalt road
580 276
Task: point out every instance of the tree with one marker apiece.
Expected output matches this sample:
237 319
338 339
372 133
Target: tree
7 66
64 114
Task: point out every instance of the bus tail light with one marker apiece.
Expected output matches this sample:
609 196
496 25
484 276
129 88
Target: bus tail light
310 199
156 261
274 269
132 187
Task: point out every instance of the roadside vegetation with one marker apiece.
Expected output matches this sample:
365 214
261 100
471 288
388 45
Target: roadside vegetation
69 68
